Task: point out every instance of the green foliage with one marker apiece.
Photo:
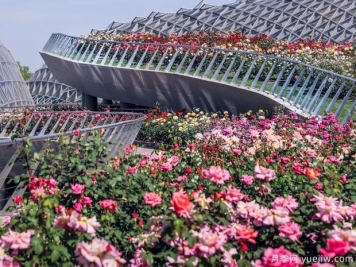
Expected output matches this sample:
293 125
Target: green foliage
25 71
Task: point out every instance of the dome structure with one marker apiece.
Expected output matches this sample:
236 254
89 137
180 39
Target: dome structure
45 89
13 89
322 20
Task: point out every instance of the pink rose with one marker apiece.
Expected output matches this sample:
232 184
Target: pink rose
210 242
60 209
237 152
132 170
290 230
174 160
288 203
52 182
166 167
318 186
6 260
128 150
76 132
15 240
264 174
247 179
335 248
182 178
216 175
100 253
78 207
108 204
86 201
17 199
276 216
234 195
77 189
152 199
5 221
344 179
83 224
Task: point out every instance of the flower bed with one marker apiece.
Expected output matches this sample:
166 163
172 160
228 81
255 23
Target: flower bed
251 191
165 127
340 58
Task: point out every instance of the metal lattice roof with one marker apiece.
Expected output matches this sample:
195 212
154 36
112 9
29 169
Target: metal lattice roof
327 20
45 89
13 89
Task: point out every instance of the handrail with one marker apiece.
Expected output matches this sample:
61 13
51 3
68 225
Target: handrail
310 89
207 47
139 117
44 128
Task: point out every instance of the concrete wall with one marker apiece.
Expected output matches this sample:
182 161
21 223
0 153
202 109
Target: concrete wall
146 88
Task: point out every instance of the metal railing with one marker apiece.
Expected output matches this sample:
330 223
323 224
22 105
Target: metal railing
44 128
311 90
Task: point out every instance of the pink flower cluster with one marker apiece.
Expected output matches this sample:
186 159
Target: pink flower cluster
278 215
330 209
84 201
264 174
137 260
108 205
6 260
77 222
98 253
39 187
211 241
339 243
17 241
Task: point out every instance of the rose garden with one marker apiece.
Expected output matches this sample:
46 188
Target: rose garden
254 189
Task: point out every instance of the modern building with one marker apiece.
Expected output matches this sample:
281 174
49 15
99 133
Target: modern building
45 89
13 89
211 78
328 20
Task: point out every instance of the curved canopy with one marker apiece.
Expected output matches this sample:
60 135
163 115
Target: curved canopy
13 89
327 20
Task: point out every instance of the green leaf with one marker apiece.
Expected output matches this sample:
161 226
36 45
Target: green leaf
301 251
54 255
36 156
149 259
38 249
16 179
47 202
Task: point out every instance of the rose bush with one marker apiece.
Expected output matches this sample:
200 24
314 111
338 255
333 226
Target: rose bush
339 58
248 191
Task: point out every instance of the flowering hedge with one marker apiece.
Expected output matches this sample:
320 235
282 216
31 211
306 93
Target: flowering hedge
340 58
250 192
166 127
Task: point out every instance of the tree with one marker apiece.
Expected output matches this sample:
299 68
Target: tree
25 71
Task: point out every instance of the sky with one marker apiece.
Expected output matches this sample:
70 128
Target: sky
25 26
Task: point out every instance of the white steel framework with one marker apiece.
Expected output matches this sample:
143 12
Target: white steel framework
326 20
45 89
13 89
